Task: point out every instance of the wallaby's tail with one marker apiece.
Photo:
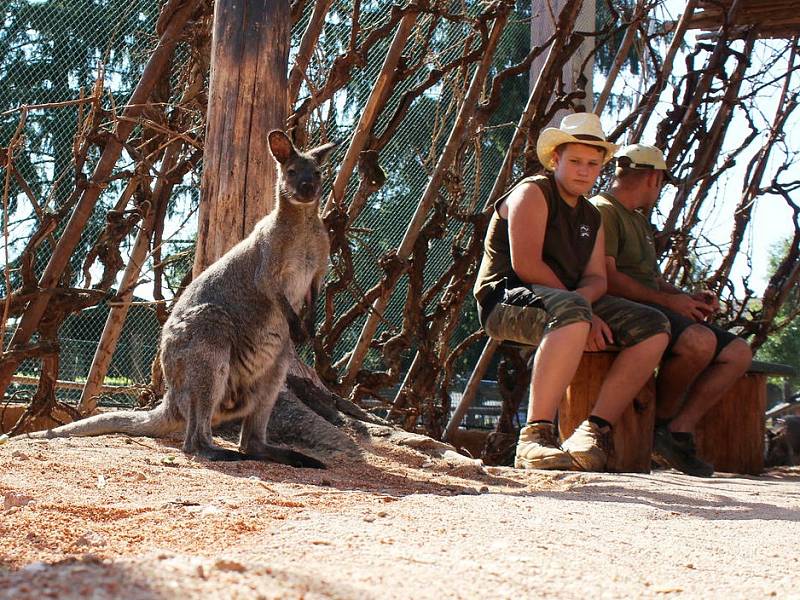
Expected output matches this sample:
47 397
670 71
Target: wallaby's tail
151 423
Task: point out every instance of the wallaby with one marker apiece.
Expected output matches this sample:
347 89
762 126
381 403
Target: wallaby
224 346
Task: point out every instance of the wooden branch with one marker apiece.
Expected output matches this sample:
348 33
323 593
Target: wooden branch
307 44
622 54
8 160
339 74
786 105
663 77
705 157
714 64
369 114
566 21
454 142
119 310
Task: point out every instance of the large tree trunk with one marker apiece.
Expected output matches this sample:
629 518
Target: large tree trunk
247 99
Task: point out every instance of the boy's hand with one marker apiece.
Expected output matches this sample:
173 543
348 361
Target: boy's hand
599 335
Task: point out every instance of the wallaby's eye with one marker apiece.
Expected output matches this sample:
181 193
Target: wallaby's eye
317 173
290 171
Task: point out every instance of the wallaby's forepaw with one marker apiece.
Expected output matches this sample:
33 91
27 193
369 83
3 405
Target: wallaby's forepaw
297 327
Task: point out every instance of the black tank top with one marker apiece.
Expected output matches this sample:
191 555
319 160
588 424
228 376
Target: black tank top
569 239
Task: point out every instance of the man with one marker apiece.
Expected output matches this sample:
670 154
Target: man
702 361
542 282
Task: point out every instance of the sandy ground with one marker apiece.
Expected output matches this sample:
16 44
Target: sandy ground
115 517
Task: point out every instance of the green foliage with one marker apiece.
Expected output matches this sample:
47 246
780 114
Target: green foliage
607 49
783 346
52 51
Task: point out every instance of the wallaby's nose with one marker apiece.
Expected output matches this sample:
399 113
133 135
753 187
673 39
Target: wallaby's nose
306 188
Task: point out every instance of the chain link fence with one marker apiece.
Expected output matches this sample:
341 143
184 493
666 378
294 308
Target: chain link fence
52 51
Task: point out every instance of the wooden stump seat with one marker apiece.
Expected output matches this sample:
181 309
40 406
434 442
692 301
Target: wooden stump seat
731 435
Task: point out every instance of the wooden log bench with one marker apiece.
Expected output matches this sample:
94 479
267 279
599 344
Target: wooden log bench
730 436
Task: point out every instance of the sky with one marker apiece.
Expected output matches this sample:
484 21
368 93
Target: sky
772 218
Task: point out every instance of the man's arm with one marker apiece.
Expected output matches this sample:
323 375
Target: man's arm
527 221
707 297
667 295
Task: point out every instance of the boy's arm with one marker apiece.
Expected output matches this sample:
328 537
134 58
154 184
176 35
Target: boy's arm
527 221
593 283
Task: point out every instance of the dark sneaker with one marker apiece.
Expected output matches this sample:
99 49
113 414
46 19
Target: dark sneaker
589 446
678 451
538 449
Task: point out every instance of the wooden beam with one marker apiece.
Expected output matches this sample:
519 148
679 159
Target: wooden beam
777 18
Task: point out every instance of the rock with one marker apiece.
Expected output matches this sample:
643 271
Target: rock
11 500
229 565
91 539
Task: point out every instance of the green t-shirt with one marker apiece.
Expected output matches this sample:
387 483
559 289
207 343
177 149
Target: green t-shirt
629 240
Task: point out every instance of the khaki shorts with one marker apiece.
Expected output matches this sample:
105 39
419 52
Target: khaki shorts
526 314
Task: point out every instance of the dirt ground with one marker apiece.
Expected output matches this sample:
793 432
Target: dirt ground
117 517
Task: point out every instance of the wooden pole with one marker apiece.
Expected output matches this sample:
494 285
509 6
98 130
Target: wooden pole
454 141
544 23
471 389
247 99
369 114
566 21
153 73
119 309
622 53
306 49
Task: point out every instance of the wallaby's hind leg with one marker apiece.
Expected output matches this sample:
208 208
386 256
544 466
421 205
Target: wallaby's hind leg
253 441
204 390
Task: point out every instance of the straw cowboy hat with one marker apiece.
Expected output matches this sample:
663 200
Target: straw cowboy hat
640 156
580 128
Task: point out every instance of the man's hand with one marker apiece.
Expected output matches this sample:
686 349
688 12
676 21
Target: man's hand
599 335
689 307
710 299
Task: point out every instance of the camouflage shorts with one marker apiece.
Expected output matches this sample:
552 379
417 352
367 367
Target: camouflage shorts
526 314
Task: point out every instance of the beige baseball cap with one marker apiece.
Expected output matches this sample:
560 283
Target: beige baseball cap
641 156
577 128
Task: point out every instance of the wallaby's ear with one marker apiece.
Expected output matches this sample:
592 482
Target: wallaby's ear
321 153
281 146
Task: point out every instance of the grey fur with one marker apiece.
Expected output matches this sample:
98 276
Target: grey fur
224 346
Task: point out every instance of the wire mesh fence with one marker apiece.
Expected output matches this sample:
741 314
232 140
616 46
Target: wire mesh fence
54 52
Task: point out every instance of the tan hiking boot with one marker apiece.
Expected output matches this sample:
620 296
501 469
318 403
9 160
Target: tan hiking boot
537 448
589 446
